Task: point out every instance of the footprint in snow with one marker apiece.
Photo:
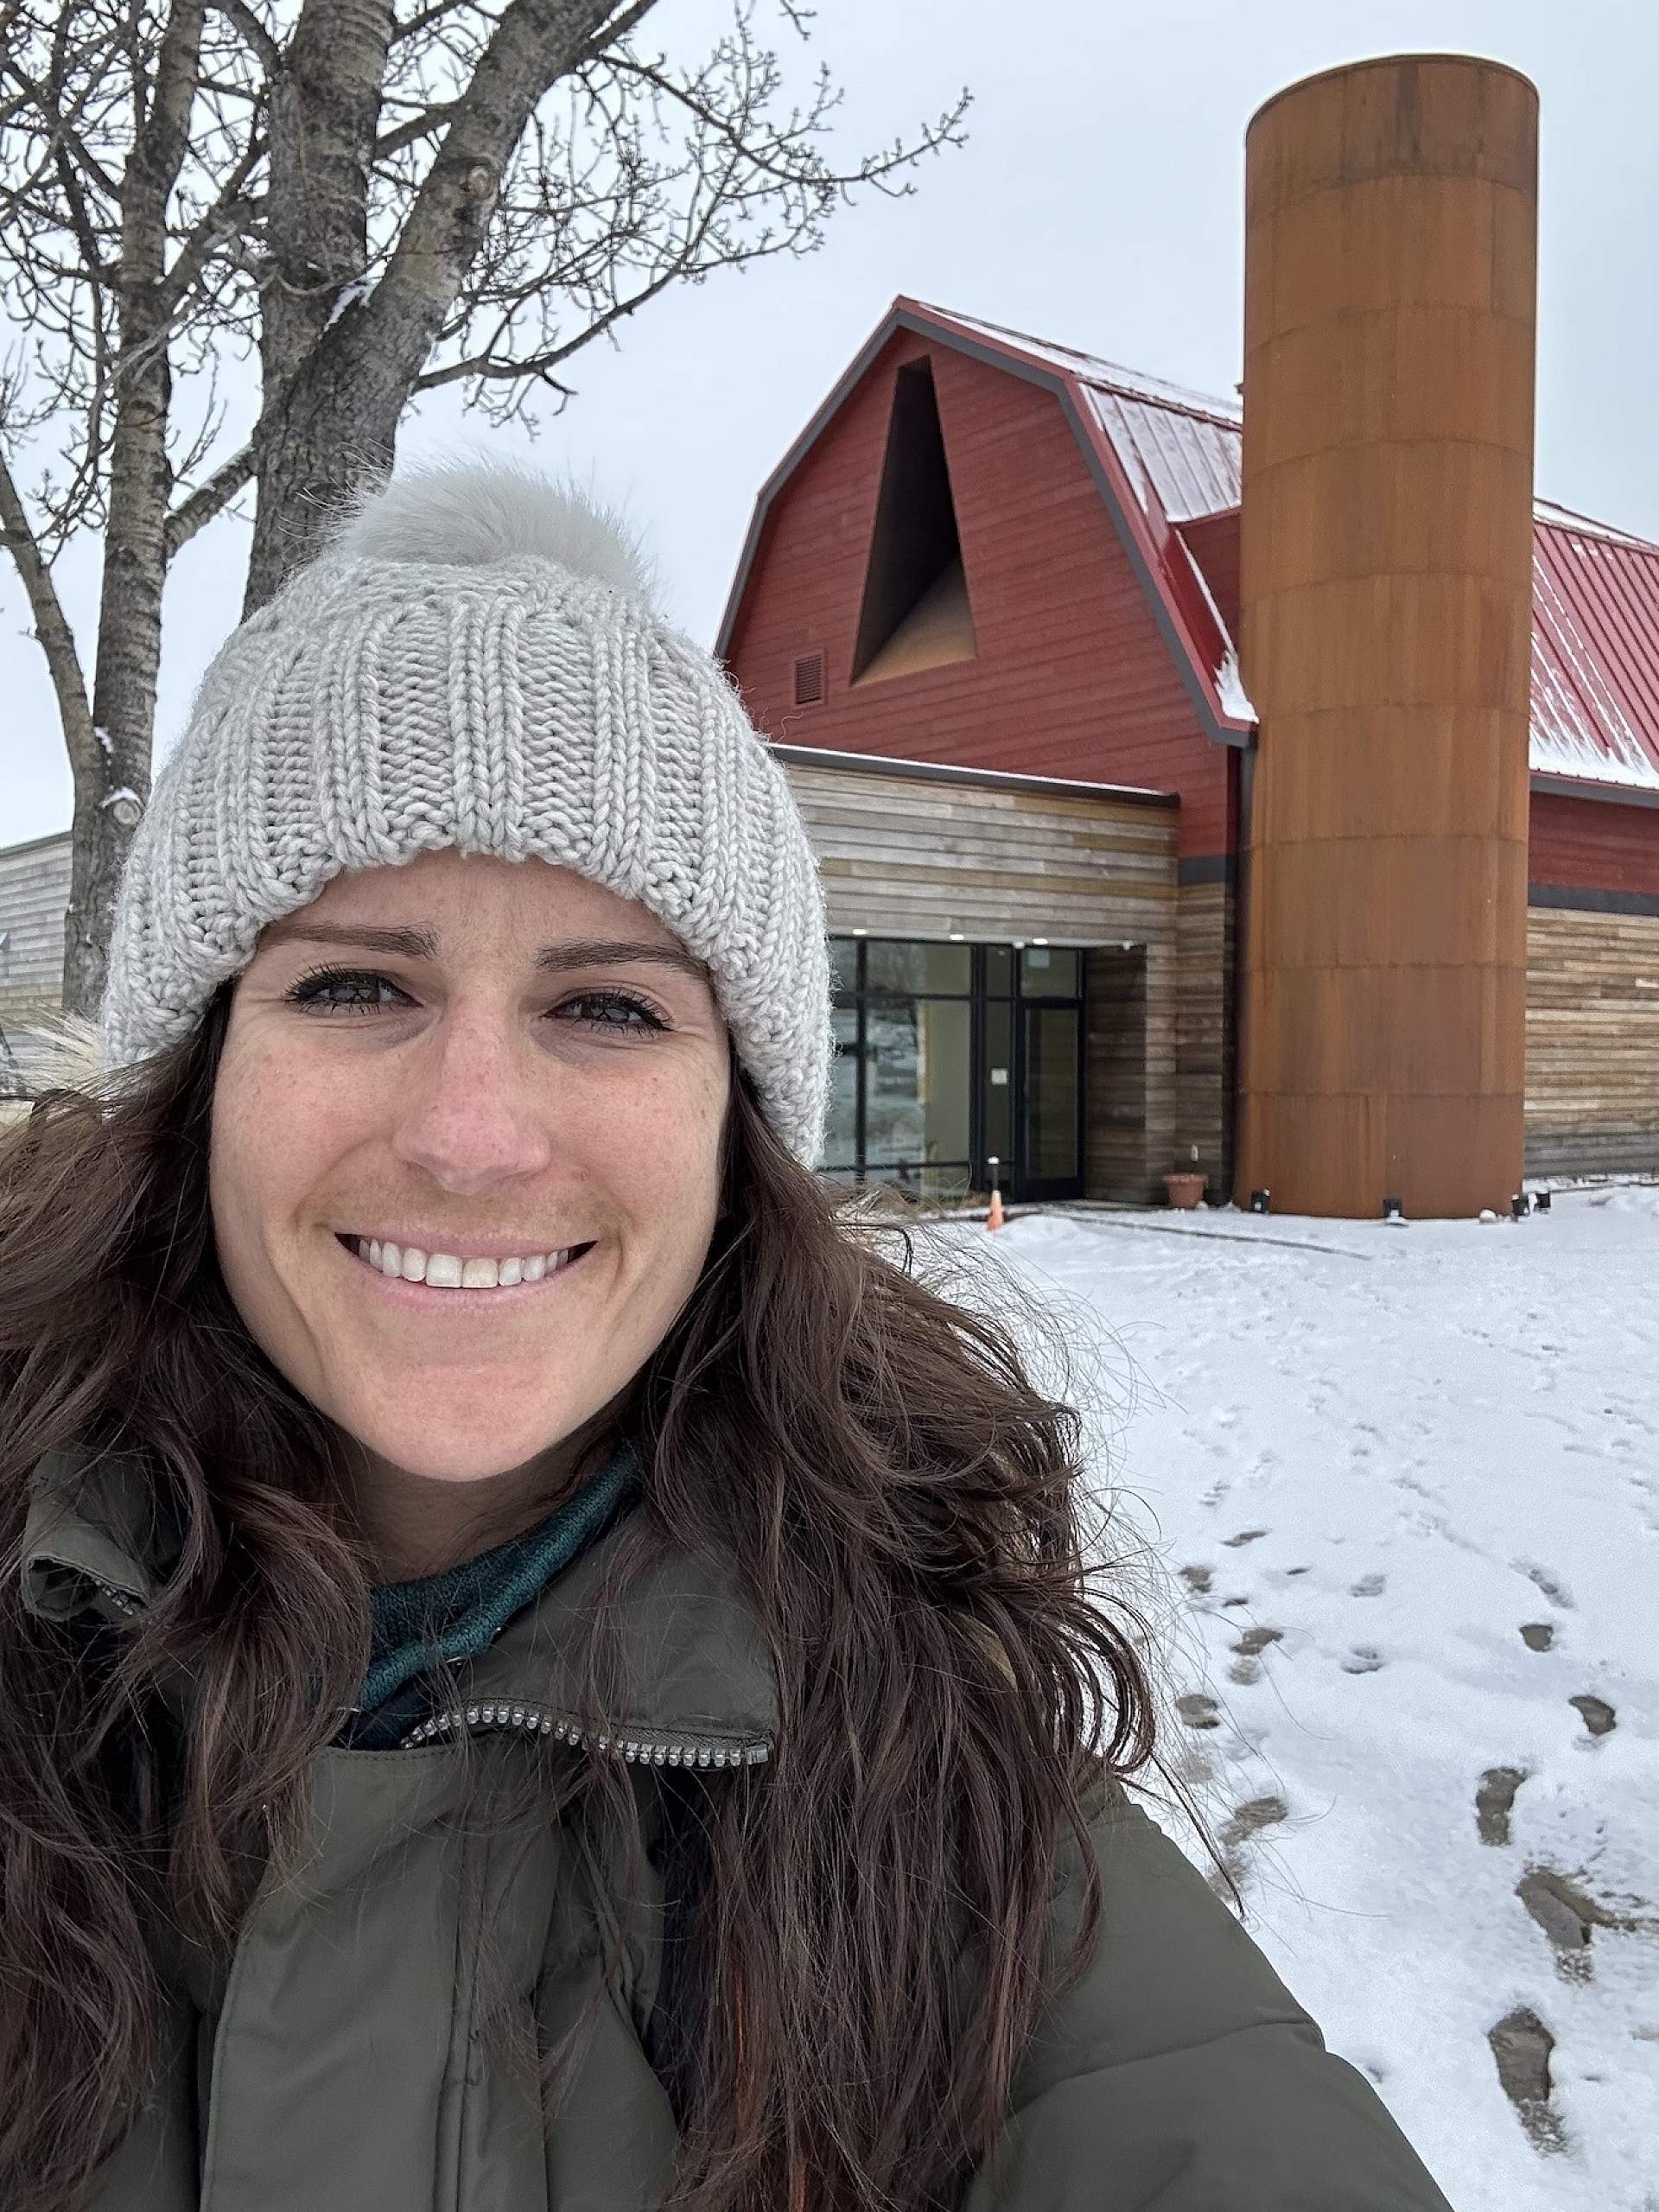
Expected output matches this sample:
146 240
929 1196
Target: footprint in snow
1197 1579
1493 1800
1522 2047
1249 1820
1537 1635
1244 1537
1551 1586
1597 1715
1199 1711
1369 1585
1363 1659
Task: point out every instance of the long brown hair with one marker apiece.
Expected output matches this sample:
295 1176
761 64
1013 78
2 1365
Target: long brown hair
898 1499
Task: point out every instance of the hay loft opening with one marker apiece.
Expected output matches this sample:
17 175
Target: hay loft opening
915 613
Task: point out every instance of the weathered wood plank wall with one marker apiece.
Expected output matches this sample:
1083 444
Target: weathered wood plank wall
33 898
1206 1030
1592 1042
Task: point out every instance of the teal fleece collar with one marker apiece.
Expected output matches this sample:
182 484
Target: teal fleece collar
457 1614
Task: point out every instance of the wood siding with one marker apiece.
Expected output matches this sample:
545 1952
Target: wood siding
1592 1042
906 857
33 899
1128 1076
1073 678
1205 1049
1593 844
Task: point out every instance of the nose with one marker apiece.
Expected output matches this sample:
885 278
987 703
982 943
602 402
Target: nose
476 1103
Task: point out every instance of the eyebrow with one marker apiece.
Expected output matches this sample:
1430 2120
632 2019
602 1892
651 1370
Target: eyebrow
418 943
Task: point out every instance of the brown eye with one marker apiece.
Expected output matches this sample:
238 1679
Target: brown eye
313 990
613 1010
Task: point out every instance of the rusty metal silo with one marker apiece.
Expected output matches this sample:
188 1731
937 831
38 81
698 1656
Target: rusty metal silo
1386 552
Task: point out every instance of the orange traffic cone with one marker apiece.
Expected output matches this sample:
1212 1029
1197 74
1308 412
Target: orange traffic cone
995 1218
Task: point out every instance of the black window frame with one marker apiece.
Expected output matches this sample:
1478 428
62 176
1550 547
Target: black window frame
1013 1175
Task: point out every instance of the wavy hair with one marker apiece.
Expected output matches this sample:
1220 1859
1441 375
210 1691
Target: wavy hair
952 1691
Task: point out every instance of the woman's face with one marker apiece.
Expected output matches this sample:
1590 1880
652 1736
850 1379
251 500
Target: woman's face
532 1064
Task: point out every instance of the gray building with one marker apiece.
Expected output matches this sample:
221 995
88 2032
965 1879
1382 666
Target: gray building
33 899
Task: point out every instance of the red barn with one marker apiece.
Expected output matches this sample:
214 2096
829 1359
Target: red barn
987 610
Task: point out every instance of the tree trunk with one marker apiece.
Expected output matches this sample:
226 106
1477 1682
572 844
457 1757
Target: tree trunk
330 425
326 105
112 773
111 763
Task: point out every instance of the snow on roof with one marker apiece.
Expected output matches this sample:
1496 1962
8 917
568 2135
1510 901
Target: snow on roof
1595 622
1191 461
1090 368
1595 656
1560 517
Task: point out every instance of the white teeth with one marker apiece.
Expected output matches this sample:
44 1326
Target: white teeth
445 1271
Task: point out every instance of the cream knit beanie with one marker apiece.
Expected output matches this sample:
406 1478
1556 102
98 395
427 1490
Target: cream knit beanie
474 661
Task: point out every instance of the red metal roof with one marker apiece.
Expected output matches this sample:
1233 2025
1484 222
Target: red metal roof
1595 622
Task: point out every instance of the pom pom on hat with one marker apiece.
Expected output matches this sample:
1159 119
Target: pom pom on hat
474 513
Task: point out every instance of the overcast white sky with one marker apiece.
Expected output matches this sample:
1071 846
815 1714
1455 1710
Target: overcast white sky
1098 203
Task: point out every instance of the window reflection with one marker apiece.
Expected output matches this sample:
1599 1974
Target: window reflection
917 1080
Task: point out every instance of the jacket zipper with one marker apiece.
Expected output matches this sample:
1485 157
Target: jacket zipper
535 1719
123 1600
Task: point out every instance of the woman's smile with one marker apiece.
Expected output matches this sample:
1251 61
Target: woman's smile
421 1282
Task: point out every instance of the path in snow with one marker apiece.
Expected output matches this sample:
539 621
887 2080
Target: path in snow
1401 1492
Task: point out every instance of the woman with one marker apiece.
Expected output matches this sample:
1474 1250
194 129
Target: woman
545 1673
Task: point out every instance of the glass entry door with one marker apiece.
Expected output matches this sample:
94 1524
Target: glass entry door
1050 1158
951 1054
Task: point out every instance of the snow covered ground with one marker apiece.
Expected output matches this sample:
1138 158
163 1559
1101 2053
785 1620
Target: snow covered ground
1396 1493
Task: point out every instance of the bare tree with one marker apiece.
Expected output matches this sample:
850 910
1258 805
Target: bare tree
376 198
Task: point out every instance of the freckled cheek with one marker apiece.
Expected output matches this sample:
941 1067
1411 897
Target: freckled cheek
663 1144
272 1145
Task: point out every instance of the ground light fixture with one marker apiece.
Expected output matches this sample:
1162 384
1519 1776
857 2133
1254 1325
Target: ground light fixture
1393 1211
1260 1202
1541 1201
1519 1207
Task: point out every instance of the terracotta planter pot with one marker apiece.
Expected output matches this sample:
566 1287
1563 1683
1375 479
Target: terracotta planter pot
1184 1190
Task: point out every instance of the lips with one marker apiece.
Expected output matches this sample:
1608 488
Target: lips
425 1279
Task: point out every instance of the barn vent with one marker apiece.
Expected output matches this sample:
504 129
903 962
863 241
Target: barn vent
915 613
809 679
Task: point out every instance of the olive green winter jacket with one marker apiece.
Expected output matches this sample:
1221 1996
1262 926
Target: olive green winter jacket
335 2068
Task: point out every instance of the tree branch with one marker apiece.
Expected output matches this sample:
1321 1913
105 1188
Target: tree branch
258 38
62 131
536 43
51 625
226 219
418 126
210 498
611 34
427 17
